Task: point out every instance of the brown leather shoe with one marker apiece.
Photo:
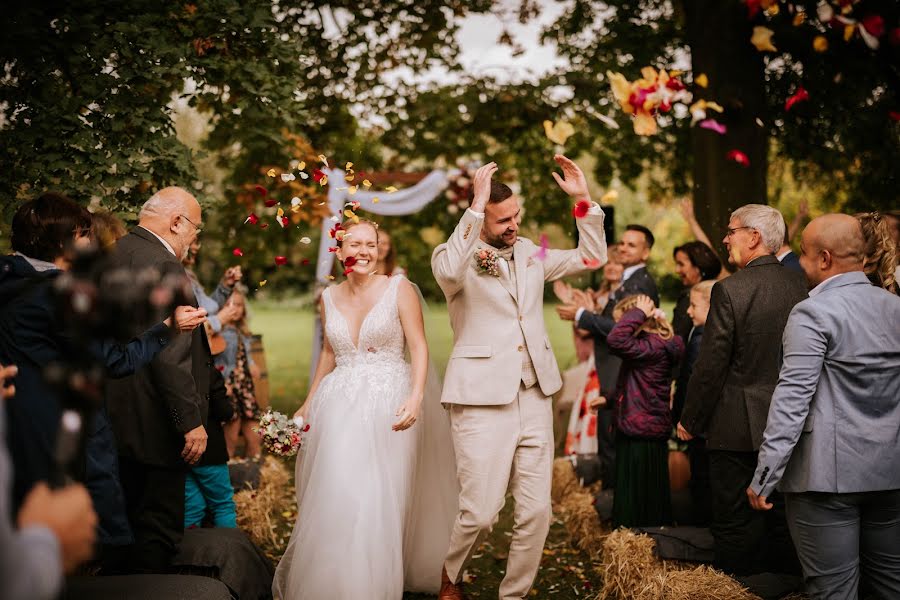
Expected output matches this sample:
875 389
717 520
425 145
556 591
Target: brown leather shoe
449 590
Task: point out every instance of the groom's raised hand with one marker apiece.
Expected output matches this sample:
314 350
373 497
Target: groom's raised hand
573 181
481 184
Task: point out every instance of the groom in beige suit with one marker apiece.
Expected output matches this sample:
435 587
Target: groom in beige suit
502 371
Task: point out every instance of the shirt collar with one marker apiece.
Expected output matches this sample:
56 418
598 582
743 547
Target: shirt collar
39 265
629 271
164 242
840 278
781 256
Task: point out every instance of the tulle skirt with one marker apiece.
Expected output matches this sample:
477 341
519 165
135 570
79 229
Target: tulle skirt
375 506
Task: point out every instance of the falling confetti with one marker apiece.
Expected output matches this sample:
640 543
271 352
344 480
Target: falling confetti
762 39
653 94
581 208
558 132
281 260
366 183
820 43
324 160
801 95
390 189
270 203
375 200
271 173
541 254
609 196
285 177
351 215
591 263
702 80
252 219
263 282
305 240
261 190
738 157
237 252
714 125
319 176
348 166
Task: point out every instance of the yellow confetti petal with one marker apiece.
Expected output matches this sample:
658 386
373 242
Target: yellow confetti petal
820 43
702 80
351 215
390 189
349 166
330 278
280 212
349 177
849 31
302 165
375 200
263 282
323 181
323 159
762 39
799 18
367 183
610 196
621 89
271 173
558 132
714 106
352 189
644 124
286 514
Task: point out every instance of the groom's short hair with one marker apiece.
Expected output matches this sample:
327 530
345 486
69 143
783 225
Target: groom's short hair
499 192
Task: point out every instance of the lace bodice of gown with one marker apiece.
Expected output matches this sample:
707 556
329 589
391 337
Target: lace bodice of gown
381 337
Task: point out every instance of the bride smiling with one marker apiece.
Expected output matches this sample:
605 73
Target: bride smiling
375 478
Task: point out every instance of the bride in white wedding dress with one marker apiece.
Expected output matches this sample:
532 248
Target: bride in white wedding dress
375 478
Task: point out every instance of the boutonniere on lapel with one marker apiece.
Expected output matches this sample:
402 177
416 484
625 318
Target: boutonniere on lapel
486 261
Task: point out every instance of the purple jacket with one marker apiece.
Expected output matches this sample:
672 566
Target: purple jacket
642 392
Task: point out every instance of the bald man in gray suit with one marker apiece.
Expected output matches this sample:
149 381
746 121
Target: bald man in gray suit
832 438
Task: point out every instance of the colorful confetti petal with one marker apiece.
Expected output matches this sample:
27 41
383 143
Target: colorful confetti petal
271 173
237 252
738 157
801 95
702 80
714 125
270 203
762 39
558 132
305 240
261 190
252 219
281 260
581 208
541 254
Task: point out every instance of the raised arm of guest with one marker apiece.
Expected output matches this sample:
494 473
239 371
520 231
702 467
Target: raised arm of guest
799 218
687 211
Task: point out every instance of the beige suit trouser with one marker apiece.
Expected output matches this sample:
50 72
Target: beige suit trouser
499 448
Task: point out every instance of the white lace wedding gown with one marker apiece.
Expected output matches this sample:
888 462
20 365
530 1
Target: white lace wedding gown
375 506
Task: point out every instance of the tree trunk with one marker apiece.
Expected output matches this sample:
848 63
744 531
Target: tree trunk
718 33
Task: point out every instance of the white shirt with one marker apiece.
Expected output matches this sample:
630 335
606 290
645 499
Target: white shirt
818 288
781 256
164 242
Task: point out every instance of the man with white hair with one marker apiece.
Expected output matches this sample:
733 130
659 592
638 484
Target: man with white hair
731 387
158 414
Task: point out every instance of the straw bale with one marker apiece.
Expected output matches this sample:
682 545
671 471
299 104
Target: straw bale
257 510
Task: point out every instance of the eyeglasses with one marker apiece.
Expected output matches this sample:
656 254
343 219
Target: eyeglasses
731 230
199 228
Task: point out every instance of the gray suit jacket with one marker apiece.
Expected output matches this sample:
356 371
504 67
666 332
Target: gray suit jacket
732 383
834 421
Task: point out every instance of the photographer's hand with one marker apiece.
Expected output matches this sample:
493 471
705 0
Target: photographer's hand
69 514
194 445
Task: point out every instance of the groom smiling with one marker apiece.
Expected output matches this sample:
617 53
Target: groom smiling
502 370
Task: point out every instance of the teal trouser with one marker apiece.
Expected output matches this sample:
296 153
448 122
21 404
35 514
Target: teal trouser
209 487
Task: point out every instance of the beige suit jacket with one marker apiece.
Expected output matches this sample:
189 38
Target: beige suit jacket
493 321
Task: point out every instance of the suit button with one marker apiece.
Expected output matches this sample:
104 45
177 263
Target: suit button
521 348
207 397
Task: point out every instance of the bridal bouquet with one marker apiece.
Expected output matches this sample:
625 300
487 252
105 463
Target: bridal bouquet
280 435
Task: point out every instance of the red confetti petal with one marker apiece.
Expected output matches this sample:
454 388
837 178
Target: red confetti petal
874 24
318 175
284 221
333 249
738 157
262 191
591 263
237 252
801 95
270 203
894 115
581 209
348 271
894 38
252 219
752 8
304 262
263 225
349 261
281 260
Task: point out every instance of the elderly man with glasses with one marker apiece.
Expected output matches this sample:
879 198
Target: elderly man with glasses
731 387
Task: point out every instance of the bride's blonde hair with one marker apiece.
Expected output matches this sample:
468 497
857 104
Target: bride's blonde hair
659 326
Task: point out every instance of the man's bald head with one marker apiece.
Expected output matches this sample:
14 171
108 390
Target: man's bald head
831 244
173 214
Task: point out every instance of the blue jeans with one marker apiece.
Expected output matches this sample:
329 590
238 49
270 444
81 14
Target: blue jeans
209 487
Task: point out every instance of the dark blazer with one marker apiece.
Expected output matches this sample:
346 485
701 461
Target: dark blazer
792 261
691 352
735 375
220 410
151 410
640 282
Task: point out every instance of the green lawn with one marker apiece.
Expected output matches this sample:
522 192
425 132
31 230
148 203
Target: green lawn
287 338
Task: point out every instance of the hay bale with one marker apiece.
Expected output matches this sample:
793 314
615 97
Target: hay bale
564 480
630 567
704 583
257 508
582 522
